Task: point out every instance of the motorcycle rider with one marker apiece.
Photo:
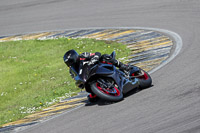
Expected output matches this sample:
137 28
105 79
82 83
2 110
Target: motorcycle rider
73 59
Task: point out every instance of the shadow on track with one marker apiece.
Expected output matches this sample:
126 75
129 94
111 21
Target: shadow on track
102 102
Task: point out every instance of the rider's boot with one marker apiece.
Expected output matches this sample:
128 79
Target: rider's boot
92 98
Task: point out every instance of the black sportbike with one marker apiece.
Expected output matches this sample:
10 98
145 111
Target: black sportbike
107 81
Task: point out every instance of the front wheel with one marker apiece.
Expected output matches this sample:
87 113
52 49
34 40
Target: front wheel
107 90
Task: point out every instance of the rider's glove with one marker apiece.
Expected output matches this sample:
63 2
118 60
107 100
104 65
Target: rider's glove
71 73
94 60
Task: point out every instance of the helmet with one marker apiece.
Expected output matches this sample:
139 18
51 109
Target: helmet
70 57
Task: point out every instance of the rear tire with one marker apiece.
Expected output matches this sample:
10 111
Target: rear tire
143 77
145 80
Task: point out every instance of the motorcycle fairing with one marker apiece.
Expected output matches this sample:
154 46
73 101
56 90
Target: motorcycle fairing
110 71
105 69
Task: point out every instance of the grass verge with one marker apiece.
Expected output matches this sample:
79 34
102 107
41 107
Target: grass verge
33 75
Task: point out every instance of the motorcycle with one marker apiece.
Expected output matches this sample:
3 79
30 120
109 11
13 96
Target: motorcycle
107 81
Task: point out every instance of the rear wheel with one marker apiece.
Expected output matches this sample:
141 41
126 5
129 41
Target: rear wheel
144 78
107 90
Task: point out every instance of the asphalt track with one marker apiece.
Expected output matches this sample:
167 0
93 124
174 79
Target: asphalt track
172 105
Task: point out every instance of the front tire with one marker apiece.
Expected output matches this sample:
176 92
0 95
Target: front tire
109 94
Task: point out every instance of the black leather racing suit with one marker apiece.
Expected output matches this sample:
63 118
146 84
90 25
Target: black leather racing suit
94 57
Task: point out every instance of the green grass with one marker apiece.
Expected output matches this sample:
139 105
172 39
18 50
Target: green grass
33 74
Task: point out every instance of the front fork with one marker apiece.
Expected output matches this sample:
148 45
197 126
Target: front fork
105 84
